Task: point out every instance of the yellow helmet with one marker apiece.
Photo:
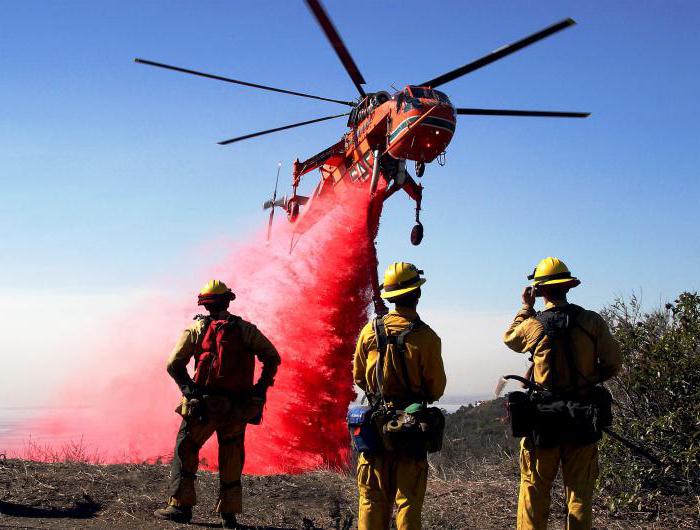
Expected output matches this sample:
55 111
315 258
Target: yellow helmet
401 278
215 291
553 271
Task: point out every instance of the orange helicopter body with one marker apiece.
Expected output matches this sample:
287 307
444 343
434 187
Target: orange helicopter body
415 124
384 131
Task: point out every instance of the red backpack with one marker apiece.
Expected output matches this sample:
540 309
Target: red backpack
225 364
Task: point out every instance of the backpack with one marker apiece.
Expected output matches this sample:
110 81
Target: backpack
225 365
552 418
557 324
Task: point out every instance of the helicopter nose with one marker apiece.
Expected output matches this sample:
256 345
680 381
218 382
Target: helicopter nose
423 135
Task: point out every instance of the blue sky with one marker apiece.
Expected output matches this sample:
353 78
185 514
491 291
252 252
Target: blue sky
110 172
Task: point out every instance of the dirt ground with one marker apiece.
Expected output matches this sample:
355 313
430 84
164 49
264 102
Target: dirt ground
79 495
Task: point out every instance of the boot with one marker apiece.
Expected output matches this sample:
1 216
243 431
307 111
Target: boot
178 514
228 520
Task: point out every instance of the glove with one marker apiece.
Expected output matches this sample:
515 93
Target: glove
258 396
260 391
190 391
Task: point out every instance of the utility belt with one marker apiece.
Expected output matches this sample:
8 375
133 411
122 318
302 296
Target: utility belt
552 419
218 405
414 430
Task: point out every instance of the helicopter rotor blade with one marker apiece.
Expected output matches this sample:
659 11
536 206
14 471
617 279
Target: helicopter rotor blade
532 113
239 82
268 131
500 53
338 45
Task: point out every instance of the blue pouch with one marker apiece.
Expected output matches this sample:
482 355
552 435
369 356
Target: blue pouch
363 432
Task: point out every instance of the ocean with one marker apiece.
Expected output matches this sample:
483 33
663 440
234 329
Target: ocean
16 435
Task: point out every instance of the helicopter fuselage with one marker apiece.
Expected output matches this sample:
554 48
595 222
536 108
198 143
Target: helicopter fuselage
415 124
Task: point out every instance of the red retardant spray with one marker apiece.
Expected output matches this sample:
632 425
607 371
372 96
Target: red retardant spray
311 302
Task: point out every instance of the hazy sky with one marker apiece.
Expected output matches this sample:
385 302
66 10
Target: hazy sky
111 176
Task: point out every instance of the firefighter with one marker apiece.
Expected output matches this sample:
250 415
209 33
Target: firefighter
220 398
586 354
397 478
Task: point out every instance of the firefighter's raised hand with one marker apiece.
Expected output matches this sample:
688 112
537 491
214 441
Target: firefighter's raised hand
528 296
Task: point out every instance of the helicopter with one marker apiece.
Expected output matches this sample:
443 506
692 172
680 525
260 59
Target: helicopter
384 132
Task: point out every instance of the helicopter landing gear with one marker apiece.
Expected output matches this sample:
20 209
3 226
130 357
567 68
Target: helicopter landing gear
417 230
420 169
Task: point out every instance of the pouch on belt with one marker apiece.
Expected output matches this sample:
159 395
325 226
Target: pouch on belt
416 429
364 432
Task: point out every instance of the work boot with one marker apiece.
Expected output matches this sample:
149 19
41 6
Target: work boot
228 520
178 514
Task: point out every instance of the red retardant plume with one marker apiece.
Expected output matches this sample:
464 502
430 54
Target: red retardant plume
311 303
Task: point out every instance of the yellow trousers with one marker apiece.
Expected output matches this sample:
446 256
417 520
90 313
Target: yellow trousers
389 479
538 469
192 435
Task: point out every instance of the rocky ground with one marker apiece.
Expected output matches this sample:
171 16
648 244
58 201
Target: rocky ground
79 495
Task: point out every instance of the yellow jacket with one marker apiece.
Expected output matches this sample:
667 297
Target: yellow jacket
190 343
426 372
595 351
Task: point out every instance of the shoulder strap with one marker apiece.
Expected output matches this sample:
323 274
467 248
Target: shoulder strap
401 349
206 320
561 331
382 341
399 341
546 318
572 313
231 321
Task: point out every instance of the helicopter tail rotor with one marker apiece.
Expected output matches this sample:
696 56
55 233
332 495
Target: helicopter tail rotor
280 203
272 203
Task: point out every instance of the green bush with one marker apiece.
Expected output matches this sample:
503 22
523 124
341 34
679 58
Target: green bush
657 397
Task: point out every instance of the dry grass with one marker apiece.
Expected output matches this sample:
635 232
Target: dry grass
71 451
471 486
483 495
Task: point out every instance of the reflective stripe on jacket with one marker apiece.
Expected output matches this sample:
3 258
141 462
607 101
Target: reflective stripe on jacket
596 352
426 372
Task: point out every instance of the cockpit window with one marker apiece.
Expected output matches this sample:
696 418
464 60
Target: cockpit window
419 92
351 118
441 97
